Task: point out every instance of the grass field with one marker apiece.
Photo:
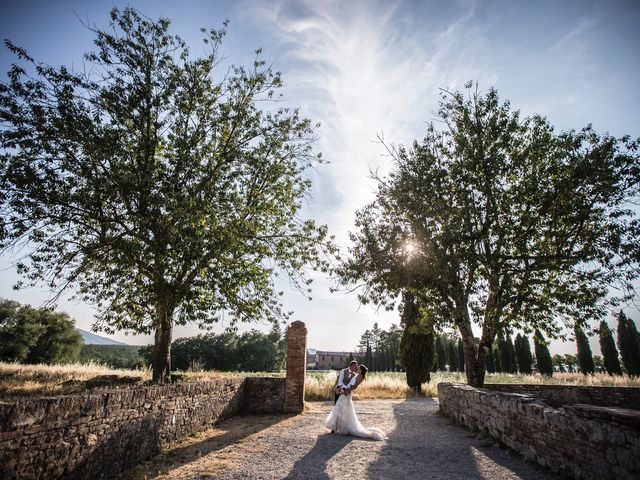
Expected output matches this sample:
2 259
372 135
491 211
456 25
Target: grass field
390 385
19 381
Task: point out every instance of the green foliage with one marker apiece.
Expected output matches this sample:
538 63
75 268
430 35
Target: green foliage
251 351
506 352
368 356
609 350
524 357
379 349
497 361
543 357
452 356
441 354
115 356
629 345
490 364
31 335
154 183
460 355
500 221
416 345
585 357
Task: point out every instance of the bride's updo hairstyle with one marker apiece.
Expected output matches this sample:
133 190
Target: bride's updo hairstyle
363 371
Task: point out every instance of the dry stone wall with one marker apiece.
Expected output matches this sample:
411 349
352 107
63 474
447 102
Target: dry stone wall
98 435
559 395
576 440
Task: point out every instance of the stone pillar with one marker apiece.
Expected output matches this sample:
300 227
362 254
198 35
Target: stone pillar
296 368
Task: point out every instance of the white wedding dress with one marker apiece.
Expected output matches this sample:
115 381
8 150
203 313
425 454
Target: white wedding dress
344 421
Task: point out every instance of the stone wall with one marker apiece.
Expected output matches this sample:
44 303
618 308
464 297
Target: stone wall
559 395
263 395
576 440
99 435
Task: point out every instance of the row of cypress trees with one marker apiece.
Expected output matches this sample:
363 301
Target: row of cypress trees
628 343
512 356
515 356
448 352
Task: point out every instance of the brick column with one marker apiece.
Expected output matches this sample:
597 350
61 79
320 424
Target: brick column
296 368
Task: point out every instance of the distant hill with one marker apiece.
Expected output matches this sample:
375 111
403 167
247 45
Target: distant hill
89 338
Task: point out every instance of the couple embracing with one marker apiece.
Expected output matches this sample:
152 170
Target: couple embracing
343 419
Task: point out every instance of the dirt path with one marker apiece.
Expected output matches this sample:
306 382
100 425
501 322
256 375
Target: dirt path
421 445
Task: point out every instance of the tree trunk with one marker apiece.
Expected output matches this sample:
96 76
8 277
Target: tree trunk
162 346
473 356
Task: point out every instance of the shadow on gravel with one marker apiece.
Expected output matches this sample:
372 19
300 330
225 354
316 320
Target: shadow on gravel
228 432
425 445
313 464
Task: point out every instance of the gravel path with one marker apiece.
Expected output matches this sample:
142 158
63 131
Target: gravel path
421 445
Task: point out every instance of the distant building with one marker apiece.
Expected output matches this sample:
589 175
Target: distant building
329 360
311 360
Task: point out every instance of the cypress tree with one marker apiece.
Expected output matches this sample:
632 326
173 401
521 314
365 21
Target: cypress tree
512 355
460 356
543 357
496 359
488 355
629 345
503 354
441 354
609 350
585 357
452 356
416 344
523 354
368 356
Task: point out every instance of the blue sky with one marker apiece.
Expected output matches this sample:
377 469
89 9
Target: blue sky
369 68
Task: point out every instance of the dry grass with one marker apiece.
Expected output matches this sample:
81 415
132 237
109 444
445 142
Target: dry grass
19 381
392 385
383 385
599 379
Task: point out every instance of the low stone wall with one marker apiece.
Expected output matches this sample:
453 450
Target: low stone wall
101 434
576 440
559 395
263 395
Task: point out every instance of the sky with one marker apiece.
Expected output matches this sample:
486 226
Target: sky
368 70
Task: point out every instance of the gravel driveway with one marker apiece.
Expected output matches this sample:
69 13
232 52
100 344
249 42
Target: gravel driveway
421 445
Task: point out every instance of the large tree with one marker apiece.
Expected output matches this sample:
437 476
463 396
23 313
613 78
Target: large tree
507 223
154 183
608 349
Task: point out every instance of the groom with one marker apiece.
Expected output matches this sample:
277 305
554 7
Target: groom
346 374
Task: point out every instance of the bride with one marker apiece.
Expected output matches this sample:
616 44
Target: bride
343 419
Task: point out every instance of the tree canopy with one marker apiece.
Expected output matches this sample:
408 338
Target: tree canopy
163 188
502 222
37 335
